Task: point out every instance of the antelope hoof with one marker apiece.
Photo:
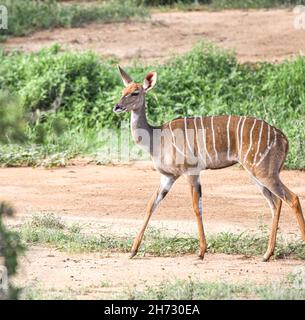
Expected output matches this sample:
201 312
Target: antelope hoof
132 254
265 259
200 256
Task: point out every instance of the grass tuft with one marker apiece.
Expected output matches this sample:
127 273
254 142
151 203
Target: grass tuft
47 220
197 290
50 230
220 4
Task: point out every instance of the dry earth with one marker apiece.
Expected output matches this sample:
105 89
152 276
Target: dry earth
112 199
96 276
255 35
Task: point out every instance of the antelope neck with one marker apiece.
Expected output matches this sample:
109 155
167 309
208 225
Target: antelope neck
142 131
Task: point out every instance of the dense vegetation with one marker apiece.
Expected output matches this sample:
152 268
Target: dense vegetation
68 98
26 16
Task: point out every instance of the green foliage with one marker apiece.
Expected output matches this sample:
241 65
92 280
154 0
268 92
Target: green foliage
69 96
10 248
253 244
26 16
12 119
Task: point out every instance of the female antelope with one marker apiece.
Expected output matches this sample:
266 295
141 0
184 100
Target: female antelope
186 146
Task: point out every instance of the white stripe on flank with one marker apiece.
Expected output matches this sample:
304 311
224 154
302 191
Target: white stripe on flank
214 145
268 146
186 137
170 127
197 141
241 137
228 137
237 132
268 141
259 143
204 140
251 140
275 136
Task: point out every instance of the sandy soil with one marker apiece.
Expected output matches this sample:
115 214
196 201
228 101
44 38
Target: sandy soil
255 35
112 199
110 194
94 276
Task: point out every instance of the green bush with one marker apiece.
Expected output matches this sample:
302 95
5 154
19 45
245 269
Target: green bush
10 248
79 91
12 119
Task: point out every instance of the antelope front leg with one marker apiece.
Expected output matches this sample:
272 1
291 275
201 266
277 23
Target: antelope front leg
165 185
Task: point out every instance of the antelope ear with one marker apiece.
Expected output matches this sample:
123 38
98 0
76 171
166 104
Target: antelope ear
150 80
125 77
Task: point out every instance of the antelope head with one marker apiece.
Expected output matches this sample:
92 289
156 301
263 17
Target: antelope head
133 95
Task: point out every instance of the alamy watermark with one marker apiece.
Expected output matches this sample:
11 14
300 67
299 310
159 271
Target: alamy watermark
3 17
166 146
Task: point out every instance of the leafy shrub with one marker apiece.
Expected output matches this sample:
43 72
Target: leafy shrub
10 248
79 90
12 118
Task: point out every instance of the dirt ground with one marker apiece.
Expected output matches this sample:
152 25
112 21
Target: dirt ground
94 276
113 198
119 193
255 35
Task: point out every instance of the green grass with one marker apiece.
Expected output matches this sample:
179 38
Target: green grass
26 16
50 230
47 220
33 293
67 99
255 4
220 4
49 154
196 290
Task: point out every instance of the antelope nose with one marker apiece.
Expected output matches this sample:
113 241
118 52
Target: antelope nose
117 108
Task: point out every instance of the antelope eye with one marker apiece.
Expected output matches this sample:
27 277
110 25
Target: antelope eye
135 93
